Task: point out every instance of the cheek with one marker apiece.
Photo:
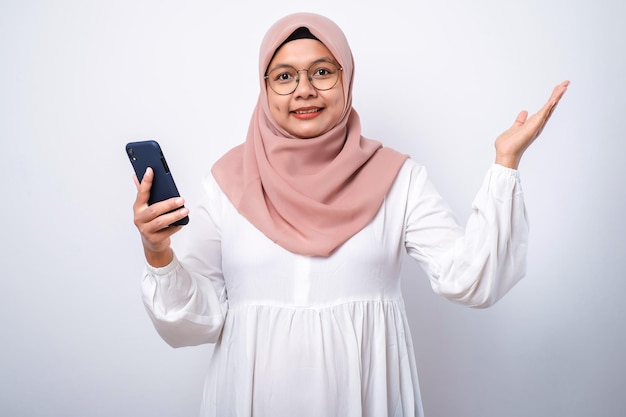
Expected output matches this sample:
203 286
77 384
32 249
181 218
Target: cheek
339 105
276 106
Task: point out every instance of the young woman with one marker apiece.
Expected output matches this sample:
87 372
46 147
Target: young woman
296 246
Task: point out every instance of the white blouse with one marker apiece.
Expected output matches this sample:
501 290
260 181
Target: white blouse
313 336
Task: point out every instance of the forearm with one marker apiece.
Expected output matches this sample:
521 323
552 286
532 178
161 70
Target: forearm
490 257
185 308
478 264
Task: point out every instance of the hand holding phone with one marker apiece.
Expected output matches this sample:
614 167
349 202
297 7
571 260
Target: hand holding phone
144 154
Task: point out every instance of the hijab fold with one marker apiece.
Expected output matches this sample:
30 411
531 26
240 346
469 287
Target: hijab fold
307 195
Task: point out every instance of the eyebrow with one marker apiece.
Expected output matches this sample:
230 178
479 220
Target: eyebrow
317 61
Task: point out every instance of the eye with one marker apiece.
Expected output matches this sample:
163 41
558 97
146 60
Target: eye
283 76
322 71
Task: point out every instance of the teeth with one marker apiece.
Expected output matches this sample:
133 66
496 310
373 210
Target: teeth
307 111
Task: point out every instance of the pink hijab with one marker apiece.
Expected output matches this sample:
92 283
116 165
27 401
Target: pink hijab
307 195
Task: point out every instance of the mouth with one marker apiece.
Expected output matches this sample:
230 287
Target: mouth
307 113
308 110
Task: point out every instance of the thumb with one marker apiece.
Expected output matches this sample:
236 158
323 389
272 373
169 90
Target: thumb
521 118
146 183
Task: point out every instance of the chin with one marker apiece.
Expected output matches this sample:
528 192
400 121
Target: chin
307 133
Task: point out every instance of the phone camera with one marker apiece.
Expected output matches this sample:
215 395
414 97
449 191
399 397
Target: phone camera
131 154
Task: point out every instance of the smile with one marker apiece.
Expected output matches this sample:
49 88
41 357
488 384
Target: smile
308 111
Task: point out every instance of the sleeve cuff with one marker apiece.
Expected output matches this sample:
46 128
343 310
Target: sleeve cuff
502 170
164 270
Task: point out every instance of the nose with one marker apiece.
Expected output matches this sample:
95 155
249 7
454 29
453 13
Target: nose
304 87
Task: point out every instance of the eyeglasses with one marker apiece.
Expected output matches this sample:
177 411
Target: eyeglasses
323 75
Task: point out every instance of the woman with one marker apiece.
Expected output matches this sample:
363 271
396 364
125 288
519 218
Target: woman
296 246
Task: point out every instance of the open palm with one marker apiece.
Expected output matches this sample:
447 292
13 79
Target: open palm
512 143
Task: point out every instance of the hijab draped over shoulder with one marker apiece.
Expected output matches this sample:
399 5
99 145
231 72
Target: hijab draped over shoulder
307 195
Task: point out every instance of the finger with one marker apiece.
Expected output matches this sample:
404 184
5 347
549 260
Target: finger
145 213
168 205
164 221
143 189
521 118
545 113
147 179
558 92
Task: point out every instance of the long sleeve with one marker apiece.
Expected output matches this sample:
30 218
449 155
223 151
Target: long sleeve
186 300
478 264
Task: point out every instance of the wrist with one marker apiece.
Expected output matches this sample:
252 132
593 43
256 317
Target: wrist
158 258
508 161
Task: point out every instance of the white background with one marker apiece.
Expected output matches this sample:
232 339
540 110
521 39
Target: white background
436 79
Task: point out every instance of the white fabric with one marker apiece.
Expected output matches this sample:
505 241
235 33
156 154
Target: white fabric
308 336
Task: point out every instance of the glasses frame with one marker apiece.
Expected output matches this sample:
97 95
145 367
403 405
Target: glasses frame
309 78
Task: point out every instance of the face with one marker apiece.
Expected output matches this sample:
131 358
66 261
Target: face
307 112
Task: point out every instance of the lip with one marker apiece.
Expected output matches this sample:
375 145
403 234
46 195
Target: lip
305 113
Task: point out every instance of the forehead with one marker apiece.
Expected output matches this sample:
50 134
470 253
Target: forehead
301 53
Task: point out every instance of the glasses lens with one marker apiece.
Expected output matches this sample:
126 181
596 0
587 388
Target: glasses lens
323 75
283 80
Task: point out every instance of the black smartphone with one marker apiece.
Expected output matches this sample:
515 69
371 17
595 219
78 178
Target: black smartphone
148 153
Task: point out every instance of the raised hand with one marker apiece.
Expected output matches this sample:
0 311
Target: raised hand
512 143
153 221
